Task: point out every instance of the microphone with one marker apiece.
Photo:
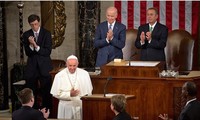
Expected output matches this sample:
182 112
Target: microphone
104 90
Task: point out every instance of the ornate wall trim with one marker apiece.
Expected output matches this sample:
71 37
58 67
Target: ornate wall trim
54 19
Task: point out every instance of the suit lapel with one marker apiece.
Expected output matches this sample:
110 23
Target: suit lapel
40 37
115 29
156 28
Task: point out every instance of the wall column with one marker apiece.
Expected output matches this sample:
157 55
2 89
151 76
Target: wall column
89 18
3 61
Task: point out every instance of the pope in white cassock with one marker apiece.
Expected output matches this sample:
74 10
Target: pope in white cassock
68 86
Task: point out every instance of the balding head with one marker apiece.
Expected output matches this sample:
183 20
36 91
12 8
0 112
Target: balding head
112 9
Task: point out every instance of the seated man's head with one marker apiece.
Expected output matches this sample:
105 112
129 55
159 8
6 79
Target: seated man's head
189 90
26 96
118 103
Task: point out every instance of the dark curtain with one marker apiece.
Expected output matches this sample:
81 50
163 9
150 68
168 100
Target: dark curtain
3 61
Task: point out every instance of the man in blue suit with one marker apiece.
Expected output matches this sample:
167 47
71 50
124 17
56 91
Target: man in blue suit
38 46
152 38
110 38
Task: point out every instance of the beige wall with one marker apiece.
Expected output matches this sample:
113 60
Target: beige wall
104 6
70 44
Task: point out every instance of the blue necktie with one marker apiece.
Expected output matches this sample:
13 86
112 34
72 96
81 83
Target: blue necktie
110 27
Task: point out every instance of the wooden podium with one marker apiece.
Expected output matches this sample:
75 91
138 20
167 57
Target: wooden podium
97 107
133 69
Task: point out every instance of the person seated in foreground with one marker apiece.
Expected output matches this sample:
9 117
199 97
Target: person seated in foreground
191 110
118 105
26 112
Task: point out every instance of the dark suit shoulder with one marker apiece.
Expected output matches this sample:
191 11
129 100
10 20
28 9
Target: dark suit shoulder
27 113
43 30
161 25
103 23
28 32
120 24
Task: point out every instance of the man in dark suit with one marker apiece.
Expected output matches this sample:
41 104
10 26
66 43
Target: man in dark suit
191 110
110 38
26 112
38 46
152 38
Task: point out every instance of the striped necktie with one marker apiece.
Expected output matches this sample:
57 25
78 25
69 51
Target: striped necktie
36 36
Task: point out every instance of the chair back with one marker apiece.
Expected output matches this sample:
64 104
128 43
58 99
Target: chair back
179 50
130 52
57 63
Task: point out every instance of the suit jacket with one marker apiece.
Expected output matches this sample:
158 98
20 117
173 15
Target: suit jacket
191 111
38 60
27 113
109 51
122 116
153 51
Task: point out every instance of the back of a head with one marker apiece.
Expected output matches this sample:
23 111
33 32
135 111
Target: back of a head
191 88
33 17
25 95
119 102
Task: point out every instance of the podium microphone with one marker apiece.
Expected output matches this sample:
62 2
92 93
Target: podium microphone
104 90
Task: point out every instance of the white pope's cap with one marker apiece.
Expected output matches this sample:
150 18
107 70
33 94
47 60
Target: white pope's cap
72 57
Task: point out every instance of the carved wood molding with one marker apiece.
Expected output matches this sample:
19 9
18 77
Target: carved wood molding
179 102
54 19
60 23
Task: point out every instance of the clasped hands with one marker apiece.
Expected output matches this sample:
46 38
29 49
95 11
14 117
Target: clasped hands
74 92
31 39
143 36
45 112
109 35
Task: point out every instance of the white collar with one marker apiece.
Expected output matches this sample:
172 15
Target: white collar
153 25
190 101
112 23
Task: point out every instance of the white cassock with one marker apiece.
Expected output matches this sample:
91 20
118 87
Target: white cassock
64 81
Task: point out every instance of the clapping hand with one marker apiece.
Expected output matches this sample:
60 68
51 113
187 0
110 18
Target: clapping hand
110 35
45 112
164 117
148 36
142 37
